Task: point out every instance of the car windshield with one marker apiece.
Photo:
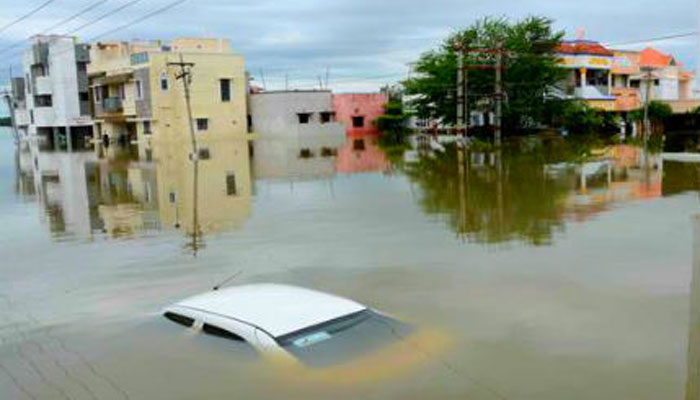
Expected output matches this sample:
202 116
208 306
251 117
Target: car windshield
343 339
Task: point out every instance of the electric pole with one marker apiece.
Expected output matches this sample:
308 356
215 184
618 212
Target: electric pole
185 75
499 95
647 122
461 92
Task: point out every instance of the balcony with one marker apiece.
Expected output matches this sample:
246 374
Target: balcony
21 117
112 105
42 86
44 116
627 98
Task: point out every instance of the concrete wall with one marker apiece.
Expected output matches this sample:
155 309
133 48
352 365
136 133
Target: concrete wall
368 105
276 115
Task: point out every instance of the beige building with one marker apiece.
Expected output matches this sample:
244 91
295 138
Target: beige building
137 97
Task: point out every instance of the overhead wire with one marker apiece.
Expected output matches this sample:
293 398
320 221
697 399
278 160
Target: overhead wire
56 25
27 15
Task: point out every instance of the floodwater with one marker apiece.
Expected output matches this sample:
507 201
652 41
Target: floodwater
534 274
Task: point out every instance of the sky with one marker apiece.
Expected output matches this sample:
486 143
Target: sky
360 45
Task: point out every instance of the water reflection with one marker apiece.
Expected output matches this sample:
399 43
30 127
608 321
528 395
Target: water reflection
126 191
527 194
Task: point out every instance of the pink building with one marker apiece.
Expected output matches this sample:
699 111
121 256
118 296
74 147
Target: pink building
359 111
361 154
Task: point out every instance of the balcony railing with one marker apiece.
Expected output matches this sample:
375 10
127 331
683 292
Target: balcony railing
112 104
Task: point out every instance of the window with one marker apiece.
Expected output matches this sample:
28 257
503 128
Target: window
220 332
172 197
97 94
358 122
204 153
304 118
29 83
43 101
358 144
121 93
634 83
31 116
656 82
225 85
179 319
139 89
202 124
327 116
83 96
231 189
146 127
250 123
82 67
328 152
163 81
305 153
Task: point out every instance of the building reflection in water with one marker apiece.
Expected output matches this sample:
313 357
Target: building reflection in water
141 188
361 153
528 194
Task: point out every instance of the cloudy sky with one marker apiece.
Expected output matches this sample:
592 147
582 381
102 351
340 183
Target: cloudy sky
361 43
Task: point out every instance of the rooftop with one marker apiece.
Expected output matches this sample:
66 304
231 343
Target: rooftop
588 47
651 57
278 309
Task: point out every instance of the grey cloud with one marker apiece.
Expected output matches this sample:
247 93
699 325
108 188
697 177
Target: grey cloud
362 38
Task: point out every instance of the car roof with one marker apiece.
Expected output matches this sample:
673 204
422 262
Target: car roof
274 308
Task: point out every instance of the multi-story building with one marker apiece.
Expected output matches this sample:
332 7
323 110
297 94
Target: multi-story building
56 107
616 80
359 111
137 95
304 118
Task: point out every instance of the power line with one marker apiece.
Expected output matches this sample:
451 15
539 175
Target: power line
76 15
137 20
103 16
654 39
27 15
56 25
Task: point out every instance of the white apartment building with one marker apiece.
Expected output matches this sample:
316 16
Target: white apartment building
57 107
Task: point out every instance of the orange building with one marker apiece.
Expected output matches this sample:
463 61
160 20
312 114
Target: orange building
616 80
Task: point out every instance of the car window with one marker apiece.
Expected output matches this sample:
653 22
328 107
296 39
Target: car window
220 332
180 319
344 339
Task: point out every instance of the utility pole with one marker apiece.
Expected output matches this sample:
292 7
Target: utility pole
647 122
499 96
185 74
460 87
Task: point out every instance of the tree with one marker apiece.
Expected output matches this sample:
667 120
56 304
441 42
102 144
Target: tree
658 112
530 71
392 124
577 118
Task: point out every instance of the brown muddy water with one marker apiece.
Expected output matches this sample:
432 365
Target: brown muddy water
527 276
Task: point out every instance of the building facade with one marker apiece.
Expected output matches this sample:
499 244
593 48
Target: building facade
55 107
616 80
137 96
306 118
359 111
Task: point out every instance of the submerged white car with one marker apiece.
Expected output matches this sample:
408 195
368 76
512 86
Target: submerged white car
315 328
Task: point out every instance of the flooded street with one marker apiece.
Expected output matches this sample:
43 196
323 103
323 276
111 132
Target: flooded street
529 276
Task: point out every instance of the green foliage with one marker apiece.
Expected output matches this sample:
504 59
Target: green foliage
658 111
530 70
578 119
392 124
